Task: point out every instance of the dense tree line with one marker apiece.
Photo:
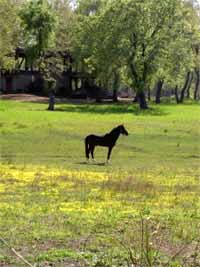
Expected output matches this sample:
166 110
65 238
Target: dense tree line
144 45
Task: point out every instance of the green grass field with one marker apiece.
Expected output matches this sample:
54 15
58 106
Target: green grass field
143 208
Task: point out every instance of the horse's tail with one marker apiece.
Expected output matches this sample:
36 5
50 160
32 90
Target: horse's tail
86 148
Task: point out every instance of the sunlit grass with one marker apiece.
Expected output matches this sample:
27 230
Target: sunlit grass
44 204
30 134
55 207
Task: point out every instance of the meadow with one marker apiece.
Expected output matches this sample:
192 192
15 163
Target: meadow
143 209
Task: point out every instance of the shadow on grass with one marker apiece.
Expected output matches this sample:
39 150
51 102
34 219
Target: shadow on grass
119 108
93 163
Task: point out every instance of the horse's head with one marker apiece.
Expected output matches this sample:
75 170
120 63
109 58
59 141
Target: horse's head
123 130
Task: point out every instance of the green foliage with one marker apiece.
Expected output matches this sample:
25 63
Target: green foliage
9 31
179 58
89 7
65 22
121 43
142 41
38 21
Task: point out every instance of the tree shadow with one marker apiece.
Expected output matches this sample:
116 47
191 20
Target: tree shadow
92 163
118 108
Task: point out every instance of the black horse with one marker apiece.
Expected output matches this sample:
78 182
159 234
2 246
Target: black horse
108 140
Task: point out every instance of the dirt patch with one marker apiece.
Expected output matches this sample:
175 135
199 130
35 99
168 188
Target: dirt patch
45 99
39 99
24 98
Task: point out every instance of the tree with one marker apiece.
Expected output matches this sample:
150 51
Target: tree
38 21
9 31
133 33
196 51
159 86
184 54
175 63
175 66
65 23
89 7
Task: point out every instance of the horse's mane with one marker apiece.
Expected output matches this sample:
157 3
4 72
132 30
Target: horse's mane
114 129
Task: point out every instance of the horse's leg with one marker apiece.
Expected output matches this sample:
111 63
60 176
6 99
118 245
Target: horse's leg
109 153
89 150
92 151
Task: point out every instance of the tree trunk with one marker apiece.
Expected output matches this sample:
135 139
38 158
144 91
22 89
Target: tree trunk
97 92
51 101
176 94
98 100
197 84
149 94
142 100
76 83
184 87
135 100
189 85
140 85
115 86
115 95
158 91
98 96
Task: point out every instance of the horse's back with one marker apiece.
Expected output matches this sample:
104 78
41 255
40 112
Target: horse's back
97 140
90 136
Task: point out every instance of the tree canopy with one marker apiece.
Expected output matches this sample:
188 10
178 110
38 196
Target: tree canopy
38 24
120 42
141 39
